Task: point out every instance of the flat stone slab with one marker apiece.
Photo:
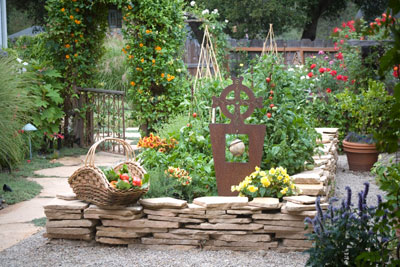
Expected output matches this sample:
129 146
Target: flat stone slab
255 245
126 211
129 231
116 241
197 236
308 177
301 199
68 230
59 215
119 234
311 189
85 237
327 130
163 202
159 241
113 217
220 202
67 196
141 223
277 217
206 232
265 202
60 204
71 223
246 238
174 219
226 226
290 206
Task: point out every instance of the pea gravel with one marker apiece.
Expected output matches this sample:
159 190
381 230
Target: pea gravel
39 251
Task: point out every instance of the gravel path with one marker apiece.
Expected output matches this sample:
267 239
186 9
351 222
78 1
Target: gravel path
39 251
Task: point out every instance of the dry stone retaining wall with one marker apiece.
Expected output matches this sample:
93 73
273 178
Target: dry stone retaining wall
211 223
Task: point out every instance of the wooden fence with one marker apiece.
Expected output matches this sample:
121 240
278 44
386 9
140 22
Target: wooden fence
290 50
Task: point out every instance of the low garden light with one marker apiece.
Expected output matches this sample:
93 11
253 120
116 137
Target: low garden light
29 128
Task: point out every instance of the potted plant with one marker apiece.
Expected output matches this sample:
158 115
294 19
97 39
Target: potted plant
366 113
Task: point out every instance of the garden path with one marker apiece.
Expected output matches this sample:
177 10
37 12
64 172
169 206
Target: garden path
16 220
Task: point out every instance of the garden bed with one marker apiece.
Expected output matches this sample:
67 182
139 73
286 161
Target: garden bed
210 223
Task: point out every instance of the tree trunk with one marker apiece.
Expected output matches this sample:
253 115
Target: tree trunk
314 13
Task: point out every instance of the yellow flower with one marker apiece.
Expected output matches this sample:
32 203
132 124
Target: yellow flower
128 47
62 9
154 61
257 168
286 180
263 173
292 186
233 188
265 182
129 7
284 190
252 188
280 177
284 172
133 83
241 195
272 171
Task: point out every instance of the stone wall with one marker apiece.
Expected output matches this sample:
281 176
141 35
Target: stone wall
211 223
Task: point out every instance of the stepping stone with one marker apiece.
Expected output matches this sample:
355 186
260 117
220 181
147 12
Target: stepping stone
221 202
327 130
265 202
301 199
163 203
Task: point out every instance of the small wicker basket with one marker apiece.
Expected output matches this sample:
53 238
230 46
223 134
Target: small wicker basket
90 184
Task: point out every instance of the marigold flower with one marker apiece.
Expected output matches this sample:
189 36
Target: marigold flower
76 40
148 31
67 46
81 35
130 56
62 9
154 61
162 75
67 56
72 35
128 47
142 60
71 17
141 45
158 48
75 55
129 7
77 21
133 83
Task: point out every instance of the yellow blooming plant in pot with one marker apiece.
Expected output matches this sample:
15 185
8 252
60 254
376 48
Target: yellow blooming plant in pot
273 183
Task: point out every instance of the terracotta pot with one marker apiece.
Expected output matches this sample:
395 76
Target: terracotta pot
361 157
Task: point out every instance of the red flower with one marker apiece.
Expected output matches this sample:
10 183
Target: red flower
346 36
353 81
269 115
327 69
339 55
335 30
313 66
271 97
29 161
321 70
395 74
272 105
345 78
342 41
344 25
310 74
328 90
339 77
333 73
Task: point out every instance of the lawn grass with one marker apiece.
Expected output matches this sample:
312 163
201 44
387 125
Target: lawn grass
40 222
24 189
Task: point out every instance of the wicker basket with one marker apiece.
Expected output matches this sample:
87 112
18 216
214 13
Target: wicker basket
90 184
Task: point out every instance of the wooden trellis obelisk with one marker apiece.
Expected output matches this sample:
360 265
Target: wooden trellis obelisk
296 59
208 64
269 45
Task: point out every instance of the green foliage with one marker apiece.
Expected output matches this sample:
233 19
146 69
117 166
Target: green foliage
366 112
290 138
347 236
154 36
173 126
15 104
112 68
40 222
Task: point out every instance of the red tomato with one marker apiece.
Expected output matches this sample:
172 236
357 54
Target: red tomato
272 105
269 115
136 181
124 177
194 115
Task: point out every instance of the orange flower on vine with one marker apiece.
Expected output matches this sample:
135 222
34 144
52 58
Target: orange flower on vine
129 7
67 56
128 47
158 48
71 17
77 21
75 55
133 83
62 9
162 75
67 46
142 60
148 31
141 45
130 56
77 9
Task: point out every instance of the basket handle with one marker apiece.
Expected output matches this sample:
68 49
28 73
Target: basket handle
89 160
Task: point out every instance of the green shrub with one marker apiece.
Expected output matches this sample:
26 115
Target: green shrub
15 104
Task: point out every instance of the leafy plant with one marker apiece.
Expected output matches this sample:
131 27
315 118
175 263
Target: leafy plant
15 105
273 183
348 236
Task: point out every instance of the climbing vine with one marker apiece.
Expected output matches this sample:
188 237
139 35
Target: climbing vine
154 34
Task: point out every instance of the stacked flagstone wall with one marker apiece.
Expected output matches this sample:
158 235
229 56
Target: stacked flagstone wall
211 223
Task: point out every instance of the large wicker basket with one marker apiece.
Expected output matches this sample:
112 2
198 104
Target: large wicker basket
90 184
